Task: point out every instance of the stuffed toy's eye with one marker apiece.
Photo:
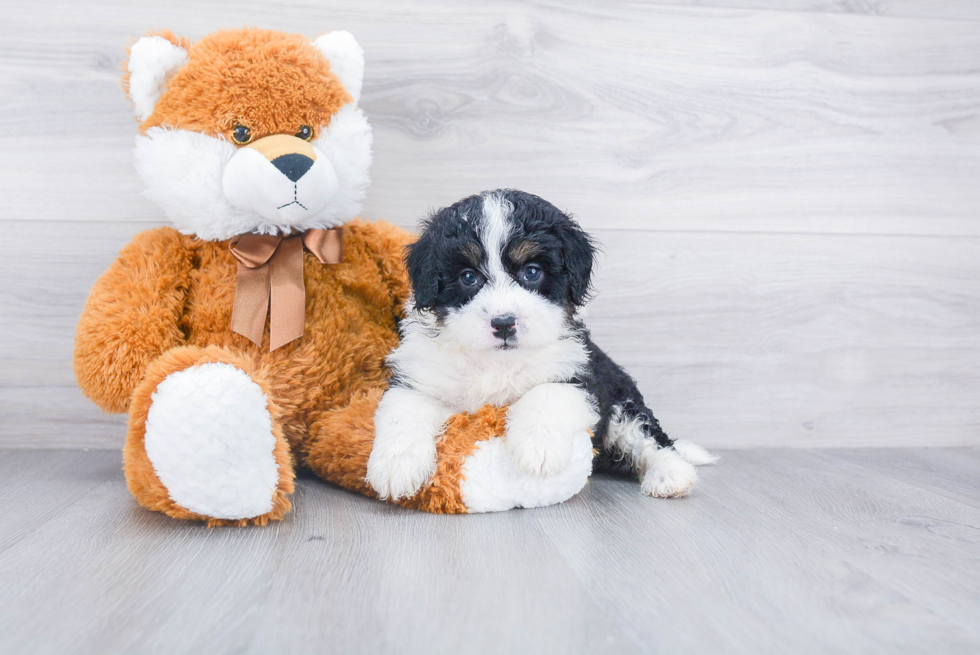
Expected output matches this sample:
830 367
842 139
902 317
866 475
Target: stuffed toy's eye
532 273
468 278
305 133
241 135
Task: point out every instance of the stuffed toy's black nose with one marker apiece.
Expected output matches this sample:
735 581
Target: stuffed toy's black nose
293 166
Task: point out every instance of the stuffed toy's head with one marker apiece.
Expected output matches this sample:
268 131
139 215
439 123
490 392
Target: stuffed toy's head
250 131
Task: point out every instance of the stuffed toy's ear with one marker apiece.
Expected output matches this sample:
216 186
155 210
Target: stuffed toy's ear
346 60
153 60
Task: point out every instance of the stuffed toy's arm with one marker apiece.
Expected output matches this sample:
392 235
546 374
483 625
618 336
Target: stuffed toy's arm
131 317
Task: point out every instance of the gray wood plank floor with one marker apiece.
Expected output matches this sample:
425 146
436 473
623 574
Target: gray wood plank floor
778 551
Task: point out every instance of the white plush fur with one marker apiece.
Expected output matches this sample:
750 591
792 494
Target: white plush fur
184 172
406 427
152 62
254 185
543 424
346 60
493 483
209 438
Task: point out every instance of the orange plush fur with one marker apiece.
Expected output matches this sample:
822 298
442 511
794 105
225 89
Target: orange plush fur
165 304
272 82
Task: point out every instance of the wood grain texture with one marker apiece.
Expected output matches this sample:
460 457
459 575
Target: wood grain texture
631 115
787 192
777 551
955 9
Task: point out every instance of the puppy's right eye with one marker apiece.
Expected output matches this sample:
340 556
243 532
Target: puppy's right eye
468 278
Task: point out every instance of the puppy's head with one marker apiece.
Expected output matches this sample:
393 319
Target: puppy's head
501 271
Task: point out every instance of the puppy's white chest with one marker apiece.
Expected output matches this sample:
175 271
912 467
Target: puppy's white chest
467 381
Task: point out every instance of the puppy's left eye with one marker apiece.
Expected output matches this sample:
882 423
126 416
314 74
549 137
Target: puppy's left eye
532 273
468 278
305 133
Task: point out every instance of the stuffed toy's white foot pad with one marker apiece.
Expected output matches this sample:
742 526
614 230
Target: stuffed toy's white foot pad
493 483
209 437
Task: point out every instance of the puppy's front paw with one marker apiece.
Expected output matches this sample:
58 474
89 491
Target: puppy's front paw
665 474
540 452
406 427
400 472
542 427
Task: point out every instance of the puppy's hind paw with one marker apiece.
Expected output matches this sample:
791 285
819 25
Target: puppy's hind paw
665 474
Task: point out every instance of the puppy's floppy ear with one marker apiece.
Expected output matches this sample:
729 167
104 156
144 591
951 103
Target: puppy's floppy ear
578 258
423 269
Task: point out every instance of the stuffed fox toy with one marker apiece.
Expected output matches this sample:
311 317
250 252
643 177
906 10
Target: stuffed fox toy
251 336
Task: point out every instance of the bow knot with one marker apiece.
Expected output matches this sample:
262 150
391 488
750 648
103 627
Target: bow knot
270 272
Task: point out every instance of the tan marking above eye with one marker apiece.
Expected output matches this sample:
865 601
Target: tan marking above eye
524 251
472 253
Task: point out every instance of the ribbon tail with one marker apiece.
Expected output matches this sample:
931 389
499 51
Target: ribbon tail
288 319
251 303
326 245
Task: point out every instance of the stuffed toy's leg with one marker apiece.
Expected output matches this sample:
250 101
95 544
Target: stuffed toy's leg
205 440
474 470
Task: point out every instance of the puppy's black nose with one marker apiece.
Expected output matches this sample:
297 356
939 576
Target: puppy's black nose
503 326
293 166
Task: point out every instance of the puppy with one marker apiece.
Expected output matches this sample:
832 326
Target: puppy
497 280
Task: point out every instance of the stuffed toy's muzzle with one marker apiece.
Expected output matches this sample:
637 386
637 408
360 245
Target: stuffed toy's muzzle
280 178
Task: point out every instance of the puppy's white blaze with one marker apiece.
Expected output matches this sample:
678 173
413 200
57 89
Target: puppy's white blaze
494 231
184 172
406 427
542 424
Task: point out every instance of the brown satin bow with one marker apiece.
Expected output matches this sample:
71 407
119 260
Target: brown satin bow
270 271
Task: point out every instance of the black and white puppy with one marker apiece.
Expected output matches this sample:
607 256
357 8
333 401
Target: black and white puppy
497 280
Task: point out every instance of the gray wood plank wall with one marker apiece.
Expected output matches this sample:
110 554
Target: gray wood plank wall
787 192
